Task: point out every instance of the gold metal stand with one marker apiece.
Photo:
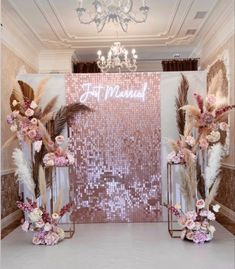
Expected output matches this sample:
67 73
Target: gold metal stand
174 233
69 227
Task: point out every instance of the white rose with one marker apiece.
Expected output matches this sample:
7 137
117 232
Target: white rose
55 216
37 145
47 227
39 224
14 103
35 215
13 128
216 208
190 224
213 137
211 229
200 204
33 105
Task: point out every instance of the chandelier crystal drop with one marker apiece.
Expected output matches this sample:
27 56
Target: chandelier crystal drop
117 58
117 11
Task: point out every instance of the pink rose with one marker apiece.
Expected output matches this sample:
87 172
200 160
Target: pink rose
32 133
211 215
190 140
59 139
191 215
203 143
15 113
203 213
25 226
223 126
37 241
29 112
206 118
200 204
59 151
51 238
190 224
176 159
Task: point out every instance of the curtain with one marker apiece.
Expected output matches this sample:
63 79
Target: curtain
180 65
88 67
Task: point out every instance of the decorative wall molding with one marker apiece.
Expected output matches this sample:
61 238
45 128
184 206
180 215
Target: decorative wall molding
174 33
226 212
18 43
11 218
218 30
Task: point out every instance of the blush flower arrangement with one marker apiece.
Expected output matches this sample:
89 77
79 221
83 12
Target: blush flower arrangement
200 150
196 224
58 156
45 227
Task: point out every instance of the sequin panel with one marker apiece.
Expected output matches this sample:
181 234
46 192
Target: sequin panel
116 147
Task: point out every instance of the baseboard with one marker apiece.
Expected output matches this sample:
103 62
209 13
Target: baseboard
230 214
11 218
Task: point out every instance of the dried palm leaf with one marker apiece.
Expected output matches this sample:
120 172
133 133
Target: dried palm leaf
66 113
59 201
50 106
47 117
181 101
213 192
40 90
27 91
42 186
46 138
9 141
192 111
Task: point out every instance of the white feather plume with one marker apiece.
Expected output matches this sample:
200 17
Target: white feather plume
214 162
23 171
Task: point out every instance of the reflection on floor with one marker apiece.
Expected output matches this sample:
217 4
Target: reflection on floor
121 246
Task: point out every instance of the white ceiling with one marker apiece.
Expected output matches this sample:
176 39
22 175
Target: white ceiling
53 24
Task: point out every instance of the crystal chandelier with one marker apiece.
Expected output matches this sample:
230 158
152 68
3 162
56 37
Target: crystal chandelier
117 58
104 11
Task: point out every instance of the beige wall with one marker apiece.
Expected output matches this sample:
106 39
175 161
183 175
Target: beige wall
10 66
208 60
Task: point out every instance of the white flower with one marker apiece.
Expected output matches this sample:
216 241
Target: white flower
191 215
47 227
34 121
216 208
59 139
203 213
33 105
213 137
29 112
55 216
223 126
14 103
211 229
13 128
39 224
35 215
50 163
37 145
25 226
200 204
211 215
61 233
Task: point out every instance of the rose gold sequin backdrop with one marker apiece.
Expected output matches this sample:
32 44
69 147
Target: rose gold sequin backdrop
117 150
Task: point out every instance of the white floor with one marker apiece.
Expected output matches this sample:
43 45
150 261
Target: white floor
119 246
